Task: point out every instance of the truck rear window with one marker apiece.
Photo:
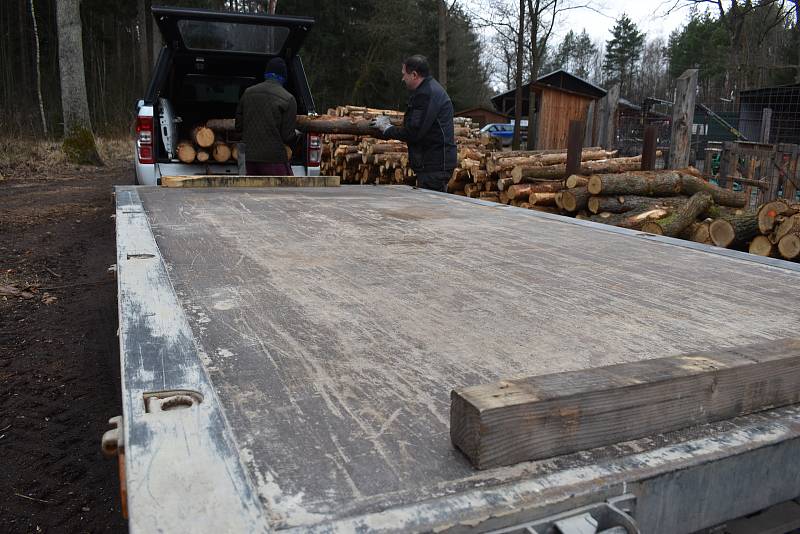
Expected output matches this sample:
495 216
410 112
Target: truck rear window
232 36
222 90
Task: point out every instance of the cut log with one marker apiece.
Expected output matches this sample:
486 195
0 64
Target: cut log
186 152
700 232
674 224
202 155
519 191
626 203
203 136
542 199
574 199
789 246
769 213
235 151
529 172
544 209
734 231
504 183
630 220
789 226
472 190
340 125
221 152
543 416
762 246
576 180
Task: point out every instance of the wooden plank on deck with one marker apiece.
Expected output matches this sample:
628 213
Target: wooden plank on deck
542 416
229 180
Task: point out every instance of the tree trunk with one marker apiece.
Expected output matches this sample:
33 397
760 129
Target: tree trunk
442 4
518 77
534 8
673 225
143 44
79 145
542 199
736 230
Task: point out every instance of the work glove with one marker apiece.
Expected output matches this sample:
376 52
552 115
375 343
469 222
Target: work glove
382 123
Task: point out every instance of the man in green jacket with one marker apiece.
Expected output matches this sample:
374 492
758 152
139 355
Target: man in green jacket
266 117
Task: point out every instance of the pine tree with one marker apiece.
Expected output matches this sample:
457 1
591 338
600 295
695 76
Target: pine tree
622 54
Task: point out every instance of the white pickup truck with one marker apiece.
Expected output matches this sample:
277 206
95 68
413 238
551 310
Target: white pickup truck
209 58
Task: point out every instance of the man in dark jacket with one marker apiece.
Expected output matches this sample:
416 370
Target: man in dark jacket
266 118
427 126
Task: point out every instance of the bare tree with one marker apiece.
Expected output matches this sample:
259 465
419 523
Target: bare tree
79 144
38 69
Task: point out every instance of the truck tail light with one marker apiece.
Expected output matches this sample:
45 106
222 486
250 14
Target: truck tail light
314 150
144 139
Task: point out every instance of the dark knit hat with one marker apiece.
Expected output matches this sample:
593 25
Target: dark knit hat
277 66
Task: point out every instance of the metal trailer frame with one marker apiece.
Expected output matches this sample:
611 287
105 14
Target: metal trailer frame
184 471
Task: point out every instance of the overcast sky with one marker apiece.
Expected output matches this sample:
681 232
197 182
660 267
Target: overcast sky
651 16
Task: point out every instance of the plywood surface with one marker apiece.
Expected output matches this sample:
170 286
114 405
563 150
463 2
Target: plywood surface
335 322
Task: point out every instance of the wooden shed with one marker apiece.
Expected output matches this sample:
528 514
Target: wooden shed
560 98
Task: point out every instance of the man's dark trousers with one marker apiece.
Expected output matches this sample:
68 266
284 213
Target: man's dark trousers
436 181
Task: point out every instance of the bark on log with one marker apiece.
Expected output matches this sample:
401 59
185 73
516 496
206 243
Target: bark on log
543 160
762 246
203 136
186 152
626 203
503 184
674 224
661 183
574 199
221 125
769 212
522 173
734 231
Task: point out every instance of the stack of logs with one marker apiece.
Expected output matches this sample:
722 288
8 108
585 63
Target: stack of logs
366 158
607 189
207 145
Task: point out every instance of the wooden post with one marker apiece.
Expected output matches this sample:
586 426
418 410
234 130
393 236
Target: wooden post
574 147
727 159
766 120
682 117
588 140
608 115
649 148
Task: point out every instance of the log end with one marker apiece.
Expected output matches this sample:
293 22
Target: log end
761 246
789 246
652 227
722 233
595 185
594 205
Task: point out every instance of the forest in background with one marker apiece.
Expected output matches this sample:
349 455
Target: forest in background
353 54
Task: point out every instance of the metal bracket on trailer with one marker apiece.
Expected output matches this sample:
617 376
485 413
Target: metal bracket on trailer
615 516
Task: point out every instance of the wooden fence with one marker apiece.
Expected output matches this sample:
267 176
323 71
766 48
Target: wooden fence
765 171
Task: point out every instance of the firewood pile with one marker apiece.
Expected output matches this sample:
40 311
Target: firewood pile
208 143
776 230
354 151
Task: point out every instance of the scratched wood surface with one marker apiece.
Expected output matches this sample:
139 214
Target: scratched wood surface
335 322
507 422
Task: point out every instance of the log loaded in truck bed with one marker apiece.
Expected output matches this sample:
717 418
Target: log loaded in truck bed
288 356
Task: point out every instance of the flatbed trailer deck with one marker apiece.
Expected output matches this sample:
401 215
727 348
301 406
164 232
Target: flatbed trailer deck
317 334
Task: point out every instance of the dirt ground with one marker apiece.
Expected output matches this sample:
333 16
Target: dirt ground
59 354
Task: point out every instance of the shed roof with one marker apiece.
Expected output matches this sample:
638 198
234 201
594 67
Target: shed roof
559 79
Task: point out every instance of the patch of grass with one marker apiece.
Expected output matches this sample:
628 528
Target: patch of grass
32 158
